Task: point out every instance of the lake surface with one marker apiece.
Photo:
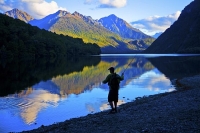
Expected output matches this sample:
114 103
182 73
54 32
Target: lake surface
44 92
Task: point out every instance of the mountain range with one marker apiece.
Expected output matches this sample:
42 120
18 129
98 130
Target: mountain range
115 35
111 33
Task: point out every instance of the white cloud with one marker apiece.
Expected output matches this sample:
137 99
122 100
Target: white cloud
107 3
36 8
33 1
1 1
113 3
88 1
154 24
4 6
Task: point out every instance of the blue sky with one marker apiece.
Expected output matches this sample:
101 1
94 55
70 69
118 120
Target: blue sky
150 16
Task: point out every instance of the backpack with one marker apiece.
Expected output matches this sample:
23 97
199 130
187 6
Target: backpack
114 83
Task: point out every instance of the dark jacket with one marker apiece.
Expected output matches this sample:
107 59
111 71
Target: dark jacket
108 78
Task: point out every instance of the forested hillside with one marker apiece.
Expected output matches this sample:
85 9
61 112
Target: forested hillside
20 40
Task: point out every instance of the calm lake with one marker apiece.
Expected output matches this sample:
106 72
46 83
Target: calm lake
43 92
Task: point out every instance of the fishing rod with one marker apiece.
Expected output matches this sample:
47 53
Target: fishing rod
129 64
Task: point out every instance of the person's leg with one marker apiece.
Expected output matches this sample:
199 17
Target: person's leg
111 105
110 100
115 104
116 100
112 108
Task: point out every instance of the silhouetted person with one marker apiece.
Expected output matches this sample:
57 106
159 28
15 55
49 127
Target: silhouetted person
113 88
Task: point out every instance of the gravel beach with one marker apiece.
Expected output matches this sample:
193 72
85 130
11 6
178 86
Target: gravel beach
171 112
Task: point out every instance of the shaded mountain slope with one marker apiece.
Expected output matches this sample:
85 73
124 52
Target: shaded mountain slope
183 36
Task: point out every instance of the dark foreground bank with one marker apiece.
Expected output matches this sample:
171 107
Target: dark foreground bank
173 112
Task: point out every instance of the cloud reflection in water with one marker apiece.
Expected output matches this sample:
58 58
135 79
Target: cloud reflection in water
154 81
39 99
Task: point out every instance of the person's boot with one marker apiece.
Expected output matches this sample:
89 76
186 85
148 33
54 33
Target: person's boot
116 110
112 111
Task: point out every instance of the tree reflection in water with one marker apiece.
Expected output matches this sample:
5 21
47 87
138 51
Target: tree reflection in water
46 91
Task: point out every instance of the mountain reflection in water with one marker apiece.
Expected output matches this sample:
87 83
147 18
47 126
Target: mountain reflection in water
55 91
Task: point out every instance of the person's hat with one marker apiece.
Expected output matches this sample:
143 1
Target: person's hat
111 68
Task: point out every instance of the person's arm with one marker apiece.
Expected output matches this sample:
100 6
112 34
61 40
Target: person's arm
106 80
121 77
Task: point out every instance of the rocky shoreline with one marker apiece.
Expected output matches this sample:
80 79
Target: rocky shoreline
172 112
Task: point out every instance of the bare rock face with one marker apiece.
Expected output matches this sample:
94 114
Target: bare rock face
18 14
